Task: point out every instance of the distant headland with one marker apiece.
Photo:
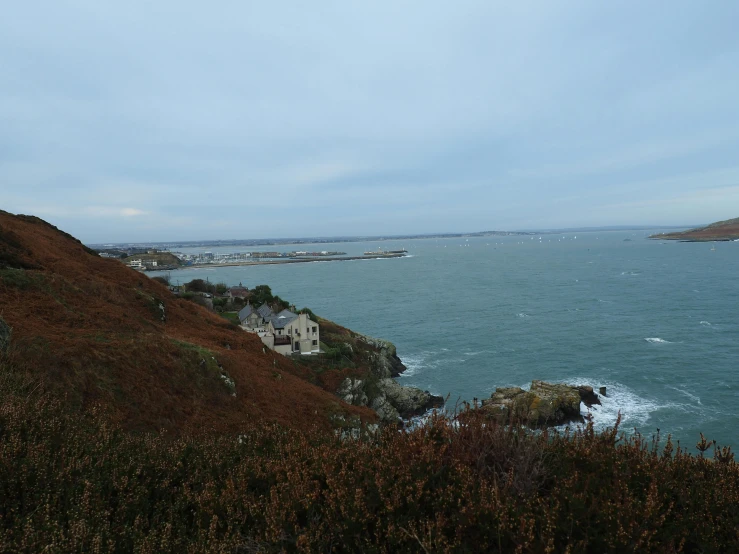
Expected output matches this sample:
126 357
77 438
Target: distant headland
727 230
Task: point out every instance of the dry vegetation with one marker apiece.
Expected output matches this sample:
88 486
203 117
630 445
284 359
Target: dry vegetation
78 483
118 434
92 329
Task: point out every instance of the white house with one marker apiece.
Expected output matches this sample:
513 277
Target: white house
286 332
294 333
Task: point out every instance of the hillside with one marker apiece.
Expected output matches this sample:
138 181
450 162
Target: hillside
719 231
162 259
93 331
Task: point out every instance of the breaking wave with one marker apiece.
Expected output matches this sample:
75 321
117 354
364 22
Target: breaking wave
635 410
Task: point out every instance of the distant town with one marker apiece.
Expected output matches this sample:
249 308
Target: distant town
152 259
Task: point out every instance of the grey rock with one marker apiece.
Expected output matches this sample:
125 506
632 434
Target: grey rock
384 409
387 398
385 362
352 392
409 401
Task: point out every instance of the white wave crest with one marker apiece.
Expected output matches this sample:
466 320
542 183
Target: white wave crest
705 323
522 315
657 340
413 365
635 410
695 398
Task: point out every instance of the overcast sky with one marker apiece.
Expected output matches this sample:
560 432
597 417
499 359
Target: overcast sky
166 120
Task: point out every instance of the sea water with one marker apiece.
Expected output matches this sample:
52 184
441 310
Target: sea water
656 322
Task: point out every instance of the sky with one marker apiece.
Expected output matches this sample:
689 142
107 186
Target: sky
177 120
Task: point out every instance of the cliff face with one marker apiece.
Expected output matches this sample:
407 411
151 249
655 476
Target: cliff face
371 381
719 231
384 359
93 331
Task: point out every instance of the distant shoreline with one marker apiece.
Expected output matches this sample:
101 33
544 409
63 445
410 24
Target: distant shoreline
289 261
351 239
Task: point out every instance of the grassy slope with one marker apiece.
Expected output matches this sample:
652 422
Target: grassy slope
91 329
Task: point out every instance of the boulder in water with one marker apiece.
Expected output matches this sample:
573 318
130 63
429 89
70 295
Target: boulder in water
542 405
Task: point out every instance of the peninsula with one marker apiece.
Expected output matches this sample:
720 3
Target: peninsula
727 230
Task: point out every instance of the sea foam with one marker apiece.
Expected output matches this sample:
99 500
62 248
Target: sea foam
635 410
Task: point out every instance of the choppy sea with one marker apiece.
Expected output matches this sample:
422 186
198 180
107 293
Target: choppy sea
656 322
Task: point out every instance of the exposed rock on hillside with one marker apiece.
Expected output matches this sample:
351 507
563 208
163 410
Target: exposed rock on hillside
389 399
543 404
385 361
409 401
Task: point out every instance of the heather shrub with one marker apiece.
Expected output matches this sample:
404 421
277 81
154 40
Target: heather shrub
76 482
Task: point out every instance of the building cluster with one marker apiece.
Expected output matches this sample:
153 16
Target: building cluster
142 264
217 258
212 258
285 332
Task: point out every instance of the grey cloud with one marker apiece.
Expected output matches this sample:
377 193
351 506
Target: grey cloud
209 119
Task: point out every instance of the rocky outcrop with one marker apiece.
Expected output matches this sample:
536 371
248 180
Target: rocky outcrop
543 404
387 398
384 362
352 392
409 401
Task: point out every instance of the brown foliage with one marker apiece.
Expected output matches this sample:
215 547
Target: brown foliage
78 483
92 329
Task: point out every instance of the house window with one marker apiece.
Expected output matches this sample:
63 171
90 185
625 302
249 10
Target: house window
297 346
315 343
315 329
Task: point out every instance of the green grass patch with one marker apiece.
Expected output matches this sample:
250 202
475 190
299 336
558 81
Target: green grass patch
16 278
233 317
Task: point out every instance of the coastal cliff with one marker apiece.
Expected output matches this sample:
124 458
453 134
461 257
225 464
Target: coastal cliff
361 370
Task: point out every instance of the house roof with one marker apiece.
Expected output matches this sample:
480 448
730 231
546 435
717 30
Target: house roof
238 291
284 318
245 312
264 310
